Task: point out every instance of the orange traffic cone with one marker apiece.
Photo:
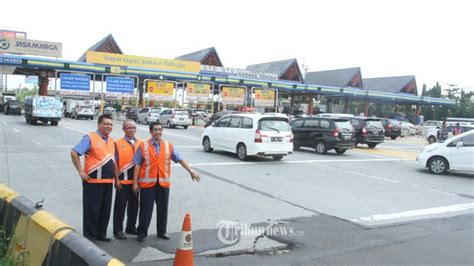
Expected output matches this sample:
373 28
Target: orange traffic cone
184 252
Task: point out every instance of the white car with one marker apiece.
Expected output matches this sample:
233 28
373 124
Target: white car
456 153
408 129
248 134
83 111
432 133
148 115
173 118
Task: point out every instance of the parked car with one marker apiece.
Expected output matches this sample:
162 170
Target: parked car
367 130
109 111
453 154
408 129
132 113
433 133
323 134
248 134
429 124
148 115
392 128
84 111
218 116
173 118
12 107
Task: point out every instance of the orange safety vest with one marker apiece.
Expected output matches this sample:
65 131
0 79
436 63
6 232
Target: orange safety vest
154 167
99 161
125 160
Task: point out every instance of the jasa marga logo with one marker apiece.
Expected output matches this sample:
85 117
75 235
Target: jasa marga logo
4 44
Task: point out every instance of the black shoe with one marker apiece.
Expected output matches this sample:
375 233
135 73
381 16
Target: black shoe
164 236
132 231
120 235
141 238
103 239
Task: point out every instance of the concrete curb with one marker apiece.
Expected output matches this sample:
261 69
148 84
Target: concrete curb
36 237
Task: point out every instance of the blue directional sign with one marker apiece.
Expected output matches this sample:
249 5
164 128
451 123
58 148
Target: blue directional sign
10 60
75 82
120 85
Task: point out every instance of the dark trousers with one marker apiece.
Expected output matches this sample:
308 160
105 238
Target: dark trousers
148 197
96 205
125 199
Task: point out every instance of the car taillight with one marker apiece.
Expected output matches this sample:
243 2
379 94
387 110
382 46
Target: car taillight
258 136
389 127
335 133
365 132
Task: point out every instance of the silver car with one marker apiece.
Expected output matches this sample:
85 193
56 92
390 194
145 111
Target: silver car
173 118
148 115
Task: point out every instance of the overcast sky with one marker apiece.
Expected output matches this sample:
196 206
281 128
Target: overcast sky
432 40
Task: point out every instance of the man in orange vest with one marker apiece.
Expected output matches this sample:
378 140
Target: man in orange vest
125 198
152 177
97 178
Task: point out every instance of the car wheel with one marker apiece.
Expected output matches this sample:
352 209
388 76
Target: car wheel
394 138
320 147
372 145
277 157
431 140
54 123
185 127
340 151
438 165
146 121
168 124
206 144
242 152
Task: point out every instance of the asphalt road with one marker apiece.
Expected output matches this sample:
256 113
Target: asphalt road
367 206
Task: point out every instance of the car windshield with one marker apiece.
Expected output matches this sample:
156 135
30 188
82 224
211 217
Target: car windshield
156 111
268 124
343 124
374 123
13 103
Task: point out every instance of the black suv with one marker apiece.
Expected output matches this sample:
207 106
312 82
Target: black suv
392 128
12 107
217 116
367 131
323 134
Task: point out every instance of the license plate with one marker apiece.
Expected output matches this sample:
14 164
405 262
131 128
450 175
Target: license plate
277 139
347 137
181 119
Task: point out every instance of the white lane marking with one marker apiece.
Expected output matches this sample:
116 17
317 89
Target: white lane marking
271 162
414 213
77 130
166 133
16 130
35 141
362 174
5 123
343 160
27 146
190 147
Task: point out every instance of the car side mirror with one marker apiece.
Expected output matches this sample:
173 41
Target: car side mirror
459 144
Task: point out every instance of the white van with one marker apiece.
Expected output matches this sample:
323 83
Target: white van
248 134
